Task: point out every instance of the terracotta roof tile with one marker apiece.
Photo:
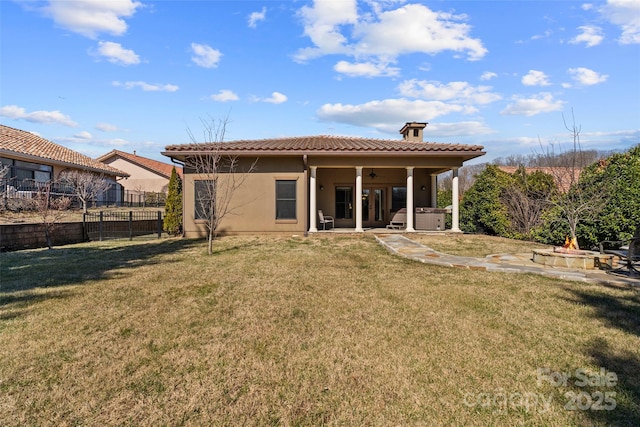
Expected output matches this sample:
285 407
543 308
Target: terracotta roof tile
323 144
19 142
564 177
160 168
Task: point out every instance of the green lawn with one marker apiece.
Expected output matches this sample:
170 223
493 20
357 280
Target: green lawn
325 330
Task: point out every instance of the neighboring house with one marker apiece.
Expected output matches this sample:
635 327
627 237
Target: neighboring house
33 160
359 182
564 177
145 175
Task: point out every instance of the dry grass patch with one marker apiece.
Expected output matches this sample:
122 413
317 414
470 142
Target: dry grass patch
475 245
328 330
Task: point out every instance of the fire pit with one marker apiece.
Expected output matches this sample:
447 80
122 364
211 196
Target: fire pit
572 258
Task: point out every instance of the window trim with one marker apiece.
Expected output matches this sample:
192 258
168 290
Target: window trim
293 220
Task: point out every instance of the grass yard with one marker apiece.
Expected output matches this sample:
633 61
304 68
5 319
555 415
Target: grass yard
326 330
474 245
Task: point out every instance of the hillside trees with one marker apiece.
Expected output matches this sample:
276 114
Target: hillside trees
173 207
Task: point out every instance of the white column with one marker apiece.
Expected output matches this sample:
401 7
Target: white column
455 209
410 208
359 198
434 191
313 214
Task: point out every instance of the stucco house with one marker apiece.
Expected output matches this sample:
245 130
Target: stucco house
359 182
144 174
33 160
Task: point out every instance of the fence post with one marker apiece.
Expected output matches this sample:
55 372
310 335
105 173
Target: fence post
100 226
85 235
130 225
159 224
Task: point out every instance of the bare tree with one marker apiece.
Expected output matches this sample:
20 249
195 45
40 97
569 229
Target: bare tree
219 175
50 209
86 186
4 187
527 198
575 201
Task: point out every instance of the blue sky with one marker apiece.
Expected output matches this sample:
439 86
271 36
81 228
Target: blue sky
97 75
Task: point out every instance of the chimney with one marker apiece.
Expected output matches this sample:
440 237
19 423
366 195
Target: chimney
134 152
412 131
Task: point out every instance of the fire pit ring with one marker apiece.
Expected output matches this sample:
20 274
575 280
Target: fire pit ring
571 258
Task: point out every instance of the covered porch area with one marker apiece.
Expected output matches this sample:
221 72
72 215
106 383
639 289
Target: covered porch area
365 198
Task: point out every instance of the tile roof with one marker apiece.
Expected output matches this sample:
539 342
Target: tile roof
325 144
24 144
160 168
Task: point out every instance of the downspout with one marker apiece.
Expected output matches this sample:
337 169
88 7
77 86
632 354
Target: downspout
305 164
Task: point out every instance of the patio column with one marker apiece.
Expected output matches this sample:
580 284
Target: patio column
434 190
410 208
455 212
359 198
313 215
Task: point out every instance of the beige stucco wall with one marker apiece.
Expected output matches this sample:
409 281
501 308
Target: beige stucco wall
253 205
140 179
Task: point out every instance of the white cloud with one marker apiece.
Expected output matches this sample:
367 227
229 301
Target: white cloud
225 95
385 115
83 135
106 127
458 92
147 87
535 78
322 25
381 36
91 17
276 98
590 36
116 54
540 103
625 14
459 129
48 117
205 56
488 75
586 77
256 17
365 69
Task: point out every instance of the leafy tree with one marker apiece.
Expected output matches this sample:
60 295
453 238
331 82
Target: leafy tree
173 205
482 210
620 217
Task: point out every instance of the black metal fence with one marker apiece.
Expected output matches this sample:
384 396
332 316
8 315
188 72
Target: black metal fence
121 224
17 193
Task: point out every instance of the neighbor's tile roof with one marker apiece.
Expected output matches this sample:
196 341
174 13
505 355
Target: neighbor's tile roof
160 168
25 144
325 144
563 176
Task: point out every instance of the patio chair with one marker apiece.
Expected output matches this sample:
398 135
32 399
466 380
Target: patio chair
629 253
399 220
325 219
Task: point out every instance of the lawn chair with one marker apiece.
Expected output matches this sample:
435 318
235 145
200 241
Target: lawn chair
629 253
324 220
399 220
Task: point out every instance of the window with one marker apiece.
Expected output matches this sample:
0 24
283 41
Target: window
344 203
285 199
205 194
398 198
416 133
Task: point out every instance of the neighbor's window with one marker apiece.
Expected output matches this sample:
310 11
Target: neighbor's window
285 199
205 191
344 203
398 198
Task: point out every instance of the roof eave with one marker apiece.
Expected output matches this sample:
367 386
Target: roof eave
25 156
